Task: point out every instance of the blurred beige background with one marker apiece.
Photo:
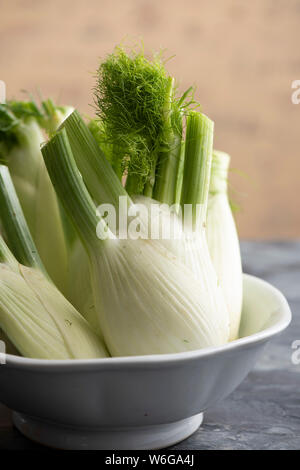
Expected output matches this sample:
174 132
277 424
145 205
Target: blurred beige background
242 56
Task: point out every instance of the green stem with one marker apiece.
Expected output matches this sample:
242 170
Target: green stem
159 184
15 225
168 161
71 189
197 168
179 177
132 183
167 171
99 177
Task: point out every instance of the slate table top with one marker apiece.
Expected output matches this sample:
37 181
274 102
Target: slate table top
264 411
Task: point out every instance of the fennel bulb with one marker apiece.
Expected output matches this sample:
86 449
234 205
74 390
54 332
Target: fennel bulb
145 123
147 300
190 244
34 315
9 346
20 150
80 292
39 321
223 241
105 186
190 247
194 200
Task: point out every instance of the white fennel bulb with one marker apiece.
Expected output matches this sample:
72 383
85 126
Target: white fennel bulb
188 243
36 317
193 251
147 300
223 241
194 199
80 291
190 247
20 150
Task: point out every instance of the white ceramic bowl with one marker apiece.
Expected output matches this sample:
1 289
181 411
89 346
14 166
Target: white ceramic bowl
145 402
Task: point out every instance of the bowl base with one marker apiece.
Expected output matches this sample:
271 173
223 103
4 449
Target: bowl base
127 438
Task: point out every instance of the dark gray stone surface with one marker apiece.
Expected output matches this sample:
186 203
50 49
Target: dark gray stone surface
264 411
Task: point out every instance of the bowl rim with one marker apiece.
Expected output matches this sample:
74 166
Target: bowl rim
163 359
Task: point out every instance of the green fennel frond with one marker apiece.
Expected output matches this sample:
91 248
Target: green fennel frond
8 123
131 96
24 109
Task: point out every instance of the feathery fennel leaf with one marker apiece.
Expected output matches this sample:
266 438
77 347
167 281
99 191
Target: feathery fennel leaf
129 95
140 113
